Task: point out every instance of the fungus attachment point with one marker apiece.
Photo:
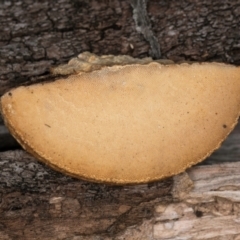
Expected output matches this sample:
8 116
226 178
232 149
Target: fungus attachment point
127 124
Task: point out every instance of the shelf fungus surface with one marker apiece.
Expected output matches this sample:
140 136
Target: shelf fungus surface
126 124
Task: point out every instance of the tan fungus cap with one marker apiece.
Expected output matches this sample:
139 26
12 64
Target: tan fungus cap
127 124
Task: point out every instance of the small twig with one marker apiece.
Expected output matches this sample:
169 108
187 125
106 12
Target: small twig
143 26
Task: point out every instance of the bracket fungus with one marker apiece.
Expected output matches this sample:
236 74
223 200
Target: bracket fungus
130 123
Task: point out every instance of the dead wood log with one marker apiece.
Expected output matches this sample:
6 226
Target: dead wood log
38 203
36 35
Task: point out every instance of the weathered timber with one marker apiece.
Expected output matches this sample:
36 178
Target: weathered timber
38 203
35 200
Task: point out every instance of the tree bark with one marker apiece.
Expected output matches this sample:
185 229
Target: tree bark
35 35
39 203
